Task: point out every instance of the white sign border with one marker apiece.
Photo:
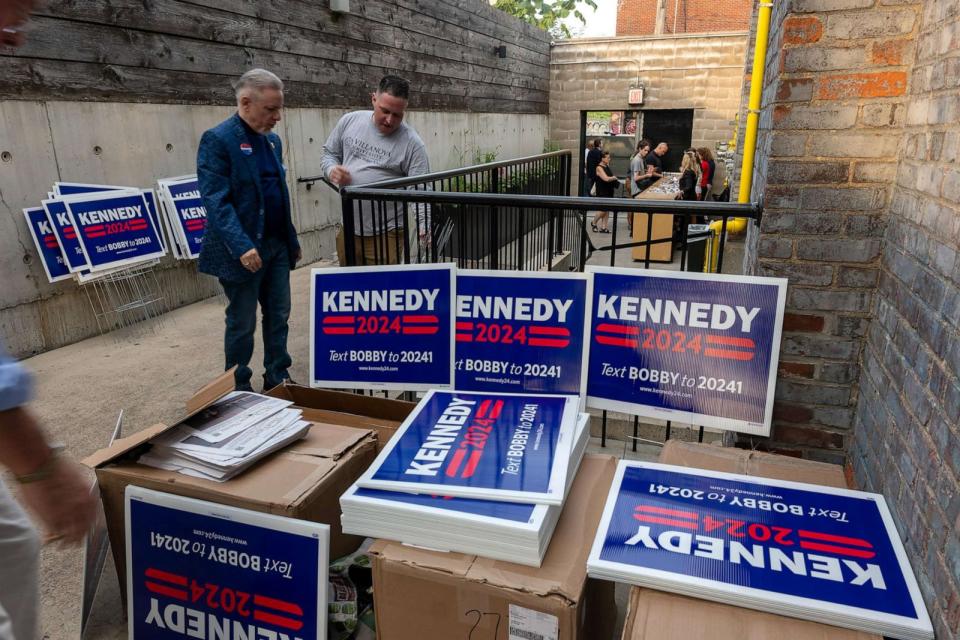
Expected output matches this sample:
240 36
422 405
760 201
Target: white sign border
533 275
38 243
723 592
383 386
557 484
320 532
700 419
67 201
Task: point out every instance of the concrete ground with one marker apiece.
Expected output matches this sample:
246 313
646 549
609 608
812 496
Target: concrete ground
148 373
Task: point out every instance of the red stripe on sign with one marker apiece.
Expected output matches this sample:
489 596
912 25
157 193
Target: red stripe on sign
497 408
617 342
277 621
843 551
829 537
190 227
420 330
338 331
455 462
472 463
676 513
729 355
69 234
51 244
618 328
683 524
279 605
137 223
464 337
423 319
157 574
338 320
464 326
95 227
164 590
548 331
547 342
484 407
733 342
97 235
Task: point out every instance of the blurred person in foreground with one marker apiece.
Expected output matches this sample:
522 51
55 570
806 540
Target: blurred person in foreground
52 487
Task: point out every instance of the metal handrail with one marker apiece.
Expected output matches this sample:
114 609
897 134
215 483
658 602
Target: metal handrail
680 207
395 183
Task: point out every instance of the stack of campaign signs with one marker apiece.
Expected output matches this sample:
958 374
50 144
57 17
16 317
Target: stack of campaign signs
227 437
800 550
86 231
184 215
488 472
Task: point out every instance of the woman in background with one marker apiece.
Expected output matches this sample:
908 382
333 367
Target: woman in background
606 182
689 176
707 169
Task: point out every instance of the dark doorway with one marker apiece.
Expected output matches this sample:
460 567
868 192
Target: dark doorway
673 126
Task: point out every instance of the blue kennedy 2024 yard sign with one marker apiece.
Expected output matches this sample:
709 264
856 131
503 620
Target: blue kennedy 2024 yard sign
699 348
66 235
758 540
54 262
514 448
197 569
521 333
192 218
114 228
382 327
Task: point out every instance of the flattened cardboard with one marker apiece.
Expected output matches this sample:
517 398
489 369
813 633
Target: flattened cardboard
657 615
381 415
420 593
304 480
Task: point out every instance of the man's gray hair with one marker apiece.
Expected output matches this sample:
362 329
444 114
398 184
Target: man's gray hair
257 79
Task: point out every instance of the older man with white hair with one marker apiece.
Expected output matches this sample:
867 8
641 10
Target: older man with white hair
250 243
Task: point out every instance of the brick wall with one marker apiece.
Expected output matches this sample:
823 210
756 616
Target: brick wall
907 423
858 166
638 17
834 101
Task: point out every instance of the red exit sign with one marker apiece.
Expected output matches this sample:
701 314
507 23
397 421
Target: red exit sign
635 96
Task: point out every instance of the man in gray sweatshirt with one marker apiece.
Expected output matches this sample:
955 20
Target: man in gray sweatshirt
371 146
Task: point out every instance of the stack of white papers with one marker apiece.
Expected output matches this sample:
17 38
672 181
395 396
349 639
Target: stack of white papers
508 531
227 437
800 550
473 472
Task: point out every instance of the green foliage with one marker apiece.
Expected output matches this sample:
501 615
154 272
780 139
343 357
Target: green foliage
546 14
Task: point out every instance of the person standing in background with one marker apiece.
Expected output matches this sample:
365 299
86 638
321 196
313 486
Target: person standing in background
689 176
250 244
638 169
707 168
606 184
371 146
655 159
593 161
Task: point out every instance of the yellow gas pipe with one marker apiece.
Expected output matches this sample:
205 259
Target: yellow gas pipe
738 225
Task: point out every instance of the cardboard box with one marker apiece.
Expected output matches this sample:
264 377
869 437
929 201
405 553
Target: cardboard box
381 415
428 594
303 480
658 615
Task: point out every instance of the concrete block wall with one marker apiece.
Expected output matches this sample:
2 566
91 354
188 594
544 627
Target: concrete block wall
835 95
703 73
907 421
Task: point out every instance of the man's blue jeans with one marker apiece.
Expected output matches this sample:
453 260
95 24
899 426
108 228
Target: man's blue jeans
270 286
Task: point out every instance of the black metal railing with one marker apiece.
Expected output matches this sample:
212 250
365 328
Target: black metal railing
547 232
379 230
